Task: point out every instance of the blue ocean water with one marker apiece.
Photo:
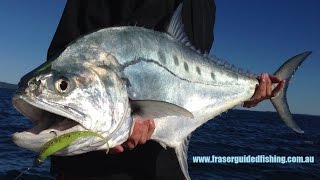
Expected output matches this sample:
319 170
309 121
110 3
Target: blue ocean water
233 133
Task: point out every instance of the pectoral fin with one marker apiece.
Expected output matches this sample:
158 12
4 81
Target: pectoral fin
156 109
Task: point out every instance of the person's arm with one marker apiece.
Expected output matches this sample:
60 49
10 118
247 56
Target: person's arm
141 133
264 90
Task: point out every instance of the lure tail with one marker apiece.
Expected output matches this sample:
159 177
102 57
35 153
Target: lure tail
60 142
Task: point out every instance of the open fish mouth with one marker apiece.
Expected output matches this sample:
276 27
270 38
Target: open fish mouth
47 123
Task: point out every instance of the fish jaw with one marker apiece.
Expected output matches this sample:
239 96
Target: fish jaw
32 141
46 125
95 99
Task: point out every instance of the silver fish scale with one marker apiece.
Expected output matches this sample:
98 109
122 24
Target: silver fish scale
114 65
109 69
160 68
157 47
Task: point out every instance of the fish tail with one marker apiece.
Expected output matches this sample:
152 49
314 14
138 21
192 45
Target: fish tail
286 72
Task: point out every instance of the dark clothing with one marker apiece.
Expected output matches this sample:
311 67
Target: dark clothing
80 17
148 161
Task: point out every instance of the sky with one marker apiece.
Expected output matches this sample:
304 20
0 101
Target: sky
253 35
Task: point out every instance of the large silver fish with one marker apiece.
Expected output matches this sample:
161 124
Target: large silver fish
106 78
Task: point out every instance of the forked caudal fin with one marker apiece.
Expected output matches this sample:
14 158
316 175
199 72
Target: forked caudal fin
285 72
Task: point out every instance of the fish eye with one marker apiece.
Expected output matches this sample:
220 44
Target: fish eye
62 85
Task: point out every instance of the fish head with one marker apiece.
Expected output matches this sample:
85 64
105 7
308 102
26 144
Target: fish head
64 96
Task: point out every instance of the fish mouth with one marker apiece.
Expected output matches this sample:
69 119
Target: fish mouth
48 122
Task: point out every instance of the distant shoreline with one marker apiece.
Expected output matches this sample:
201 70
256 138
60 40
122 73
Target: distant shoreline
8 85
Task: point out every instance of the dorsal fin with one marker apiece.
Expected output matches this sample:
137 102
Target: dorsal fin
176 28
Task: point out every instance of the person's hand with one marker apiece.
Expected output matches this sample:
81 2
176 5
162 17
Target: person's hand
264 90
142 131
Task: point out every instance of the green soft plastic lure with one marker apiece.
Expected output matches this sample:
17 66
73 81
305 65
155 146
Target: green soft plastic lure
60 142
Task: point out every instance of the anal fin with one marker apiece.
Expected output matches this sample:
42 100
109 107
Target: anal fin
182 155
